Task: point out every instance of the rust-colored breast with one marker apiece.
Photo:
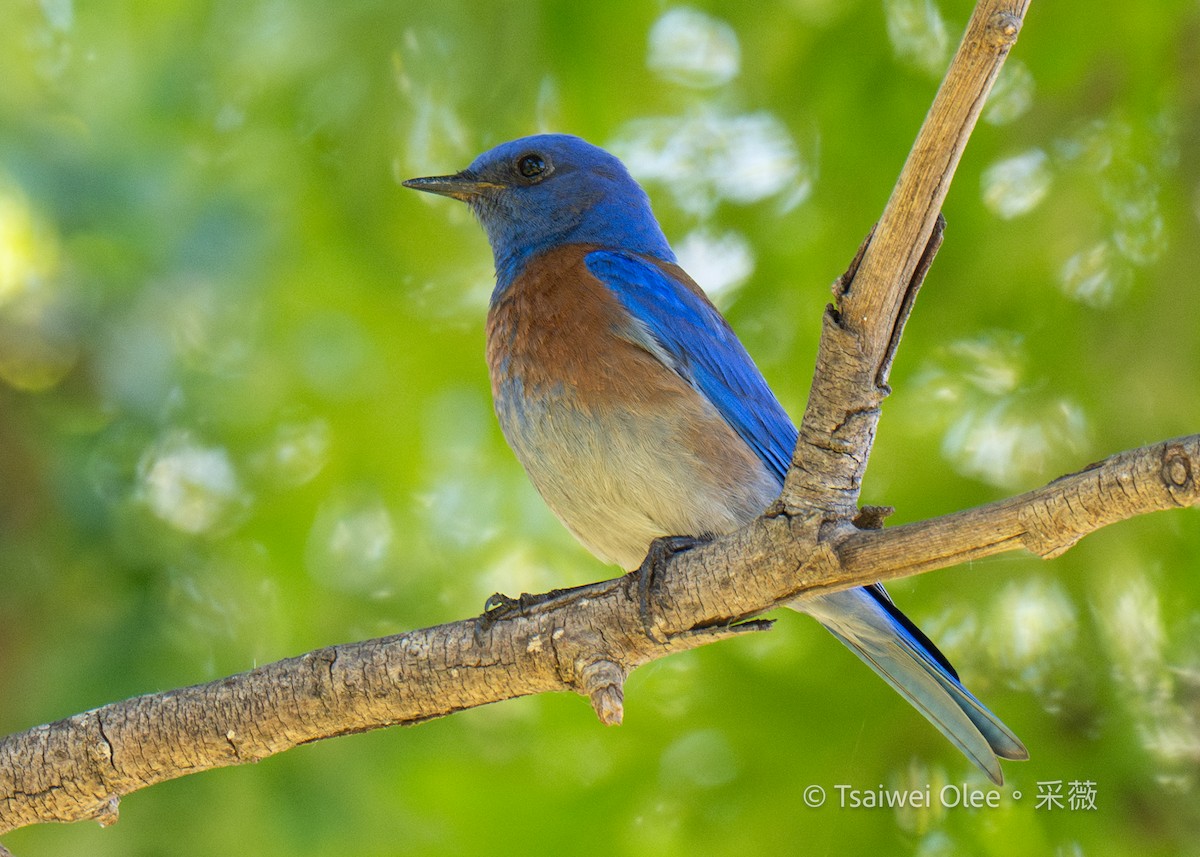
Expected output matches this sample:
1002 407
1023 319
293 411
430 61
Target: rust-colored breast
559 330
621 447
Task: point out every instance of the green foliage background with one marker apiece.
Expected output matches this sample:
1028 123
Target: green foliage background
244 413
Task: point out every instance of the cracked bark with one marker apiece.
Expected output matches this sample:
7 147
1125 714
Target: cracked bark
587 640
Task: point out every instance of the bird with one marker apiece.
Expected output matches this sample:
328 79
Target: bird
636 411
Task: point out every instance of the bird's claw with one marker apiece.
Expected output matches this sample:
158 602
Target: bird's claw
500 607
497 608
660 552
499 602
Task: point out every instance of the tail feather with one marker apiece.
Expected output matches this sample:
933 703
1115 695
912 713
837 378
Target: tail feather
887 641
1000 738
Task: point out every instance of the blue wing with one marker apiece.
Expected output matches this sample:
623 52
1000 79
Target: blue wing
686 329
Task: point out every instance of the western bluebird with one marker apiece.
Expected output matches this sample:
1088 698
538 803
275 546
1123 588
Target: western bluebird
636 411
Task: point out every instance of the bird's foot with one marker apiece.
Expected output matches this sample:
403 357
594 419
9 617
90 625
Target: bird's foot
500 607
660 552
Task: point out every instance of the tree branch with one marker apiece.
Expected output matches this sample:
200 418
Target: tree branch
859 335
1046 522
586 640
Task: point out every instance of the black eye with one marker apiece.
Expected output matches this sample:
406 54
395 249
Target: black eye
531 165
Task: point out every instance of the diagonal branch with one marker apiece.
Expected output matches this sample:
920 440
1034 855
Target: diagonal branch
859 335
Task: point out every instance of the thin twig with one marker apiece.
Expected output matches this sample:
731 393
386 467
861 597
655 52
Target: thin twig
859 335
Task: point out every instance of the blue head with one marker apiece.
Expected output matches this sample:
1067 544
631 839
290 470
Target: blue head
538 192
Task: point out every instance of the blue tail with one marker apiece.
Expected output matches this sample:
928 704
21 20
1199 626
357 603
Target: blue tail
888 642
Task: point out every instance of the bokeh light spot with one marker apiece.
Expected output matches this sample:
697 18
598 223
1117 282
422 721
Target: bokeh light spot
708 156
720 262
1012 95
918 33
1016 185
191 486
690 47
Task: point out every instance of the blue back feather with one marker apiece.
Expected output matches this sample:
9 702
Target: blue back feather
702 349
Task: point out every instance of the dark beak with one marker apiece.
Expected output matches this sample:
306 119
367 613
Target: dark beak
462 185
